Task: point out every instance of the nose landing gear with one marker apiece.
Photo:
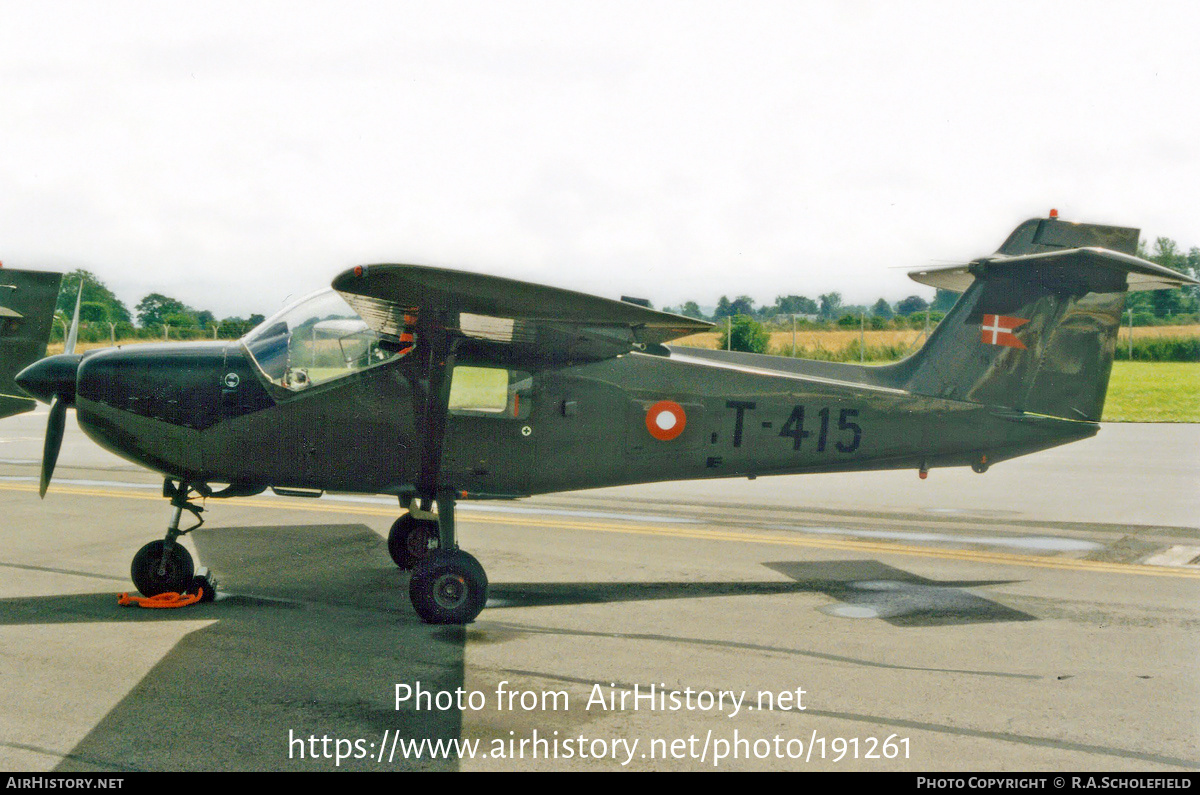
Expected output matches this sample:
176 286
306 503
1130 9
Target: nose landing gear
165 566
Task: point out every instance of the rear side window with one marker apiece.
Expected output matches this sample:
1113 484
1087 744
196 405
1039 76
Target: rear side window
495 391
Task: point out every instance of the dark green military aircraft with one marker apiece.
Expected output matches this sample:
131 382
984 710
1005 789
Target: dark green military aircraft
437 386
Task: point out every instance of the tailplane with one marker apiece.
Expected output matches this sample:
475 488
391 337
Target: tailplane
1036 327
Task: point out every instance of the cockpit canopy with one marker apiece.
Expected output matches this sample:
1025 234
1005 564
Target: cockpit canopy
317 339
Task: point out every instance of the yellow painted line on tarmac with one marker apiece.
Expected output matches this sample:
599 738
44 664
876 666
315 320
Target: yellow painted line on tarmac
777 538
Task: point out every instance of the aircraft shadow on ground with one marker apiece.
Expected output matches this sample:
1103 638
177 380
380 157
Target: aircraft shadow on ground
863 588
313 643
317 630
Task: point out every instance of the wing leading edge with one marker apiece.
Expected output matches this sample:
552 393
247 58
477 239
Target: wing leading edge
560 324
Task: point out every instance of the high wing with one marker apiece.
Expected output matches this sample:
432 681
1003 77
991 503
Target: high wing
553 323
27 300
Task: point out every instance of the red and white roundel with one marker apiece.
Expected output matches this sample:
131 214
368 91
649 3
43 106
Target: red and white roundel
665 420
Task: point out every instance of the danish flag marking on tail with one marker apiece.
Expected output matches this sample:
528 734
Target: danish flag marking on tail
998 330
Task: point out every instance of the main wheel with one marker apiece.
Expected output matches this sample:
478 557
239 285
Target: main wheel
412 540
152 574
448 587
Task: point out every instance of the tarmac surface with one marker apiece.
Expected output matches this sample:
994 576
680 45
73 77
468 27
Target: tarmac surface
1043 616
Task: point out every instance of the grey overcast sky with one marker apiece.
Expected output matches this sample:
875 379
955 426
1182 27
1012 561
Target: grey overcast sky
235 154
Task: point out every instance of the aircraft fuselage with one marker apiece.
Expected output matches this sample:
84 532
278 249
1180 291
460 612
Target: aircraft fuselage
204 413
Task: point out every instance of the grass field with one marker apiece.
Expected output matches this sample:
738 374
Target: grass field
1153 392
810 340
1138 391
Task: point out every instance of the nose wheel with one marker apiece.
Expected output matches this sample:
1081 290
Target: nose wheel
157 569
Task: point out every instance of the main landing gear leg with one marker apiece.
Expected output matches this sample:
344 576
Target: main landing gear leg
164 566
448 586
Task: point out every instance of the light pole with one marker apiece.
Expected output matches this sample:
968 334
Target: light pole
1131 334
59 317
862 337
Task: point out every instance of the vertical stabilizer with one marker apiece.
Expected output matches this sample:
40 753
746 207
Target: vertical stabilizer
27 300
1036 328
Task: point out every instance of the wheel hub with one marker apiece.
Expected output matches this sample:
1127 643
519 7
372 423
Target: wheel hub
450 591
166 568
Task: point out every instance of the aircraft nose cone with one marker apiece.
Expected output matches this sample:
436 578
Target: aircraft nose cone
54 375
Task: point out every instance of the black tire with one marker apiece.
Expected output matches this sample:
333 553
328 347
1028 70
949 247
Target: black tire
177 575
412 540
448 587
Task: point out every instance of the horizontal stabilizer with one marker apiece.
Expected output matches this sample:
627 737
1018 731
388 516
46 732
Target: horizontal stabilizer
1137 273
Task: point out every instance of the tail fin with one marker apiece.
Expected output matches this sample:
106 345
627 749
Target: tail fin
27 300
1036 328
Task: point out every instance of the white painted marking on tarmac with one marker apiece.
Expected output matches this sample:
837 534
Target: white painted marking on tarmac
1183 556
628 517
118 484
518 509
853 611
1020 542
878 585
389 501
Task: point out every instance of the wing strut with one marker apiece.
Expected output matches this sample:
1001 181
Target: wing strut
439 347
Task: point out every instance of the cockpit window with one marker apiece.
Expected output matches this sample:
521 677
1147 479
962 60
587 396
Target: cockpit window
318 339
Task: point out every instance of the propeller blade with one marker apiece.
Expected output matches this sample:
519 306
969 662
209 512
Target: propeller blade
73 335
54 436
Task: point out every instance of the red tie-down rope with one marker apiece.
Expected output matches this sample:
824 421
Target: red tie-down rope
168 599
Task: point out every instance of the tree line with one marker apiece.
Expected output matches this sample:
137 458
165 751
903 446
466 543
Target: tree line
825 309
1156 307
104 316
